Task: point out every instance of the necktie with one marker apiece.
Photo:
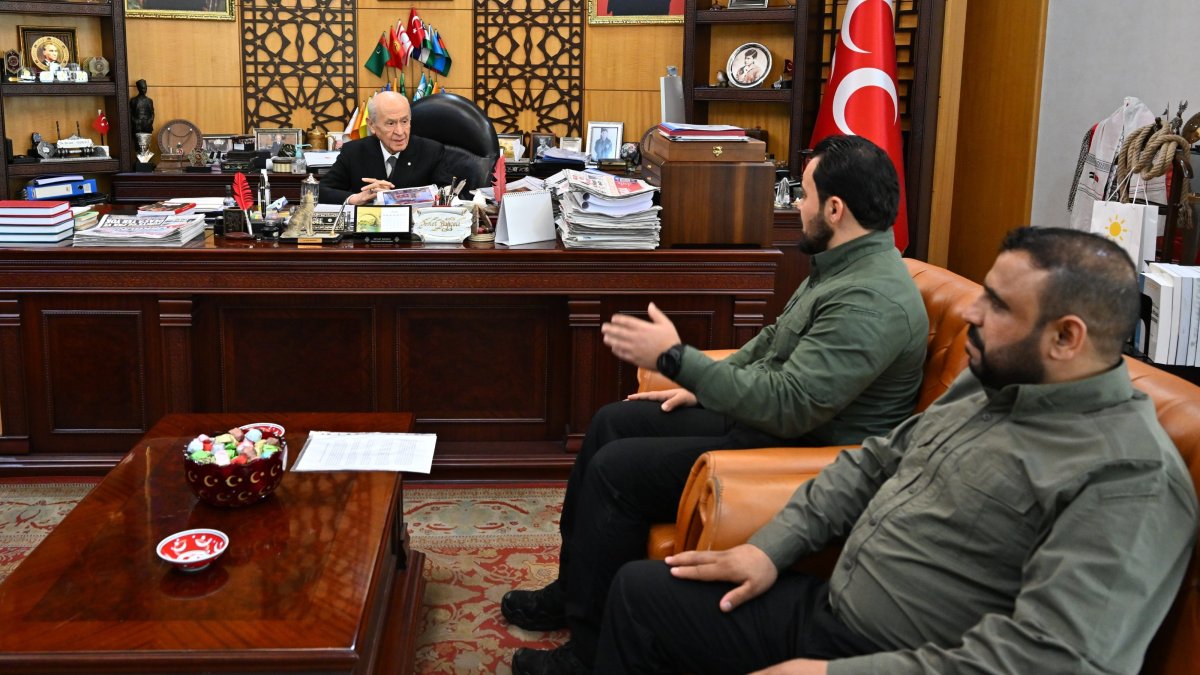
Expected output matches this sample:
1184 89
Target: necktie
391 166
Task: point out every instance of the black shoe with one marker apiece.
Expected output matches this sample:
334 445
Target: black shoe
561 661
535 610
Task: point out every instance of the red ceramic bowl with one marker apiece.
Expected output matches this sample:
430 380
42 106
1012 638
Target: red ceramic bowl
192 550
236 485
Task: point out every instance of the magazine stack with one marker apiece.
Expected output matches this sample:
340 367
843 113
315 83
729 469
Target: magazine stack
35 223
142 231
598 210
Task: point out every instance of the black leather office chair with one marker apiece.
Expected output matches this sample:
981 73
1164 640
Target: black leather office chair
469 137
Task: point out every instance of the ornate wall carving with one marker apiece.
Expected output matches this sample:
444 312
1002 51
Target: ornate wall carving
529 64
299 62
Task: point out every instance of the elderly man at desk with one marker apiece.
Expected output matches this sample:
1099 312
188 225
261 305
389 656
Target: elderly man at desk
390 158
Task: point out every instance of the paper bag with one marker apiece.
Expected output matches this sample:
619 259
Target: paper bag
1126 225
525 217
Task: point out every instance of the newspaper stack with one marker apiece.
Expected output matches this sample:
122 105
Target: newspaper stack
142 231
598 210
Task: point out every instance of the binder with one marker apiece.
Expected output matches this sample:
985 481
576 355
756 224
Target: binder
525 218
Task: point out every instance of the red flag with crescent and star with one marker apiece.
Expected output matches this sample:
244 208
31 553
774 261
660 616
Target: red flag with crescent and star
861 97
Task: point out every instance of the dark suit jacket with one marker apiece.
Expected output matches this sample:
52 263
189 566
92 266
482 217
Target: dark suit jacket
421 163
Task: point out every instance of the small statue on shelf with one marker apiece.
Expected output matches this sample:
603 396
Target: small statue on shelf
141 109
722 80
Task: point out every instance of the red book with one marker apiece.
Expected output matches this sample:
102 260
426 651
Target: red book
164 209
31 209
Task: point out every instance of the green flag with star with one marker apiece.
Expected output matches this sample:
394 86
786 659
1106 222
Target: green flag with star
379 57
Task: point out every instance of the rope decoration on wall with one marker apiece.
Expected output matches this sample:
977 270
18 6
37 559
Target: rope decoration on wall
529 64
299 63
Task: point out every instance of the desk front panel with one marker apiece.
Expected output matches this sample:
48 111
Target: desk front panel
485 347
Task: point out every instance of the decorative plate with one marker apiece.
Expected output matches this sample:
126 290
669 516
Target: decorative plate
179 137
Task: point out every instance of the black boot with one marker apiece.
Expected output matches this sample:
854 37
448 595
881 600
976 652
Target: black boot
560 661
535 610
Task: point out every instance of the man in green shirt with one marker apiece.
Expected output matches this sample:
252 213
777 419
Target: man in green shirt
843 362
1035 519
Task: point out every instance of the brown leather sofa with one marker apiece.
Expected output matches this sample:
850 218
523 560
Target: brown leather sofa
945 295
731 493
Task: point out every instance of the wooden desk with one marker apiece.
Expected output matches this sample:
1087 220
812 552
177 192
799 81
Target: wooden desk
317 577
496 350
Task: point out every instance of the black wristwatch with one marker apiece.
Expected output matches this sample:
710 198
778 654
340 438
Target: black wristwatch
671 361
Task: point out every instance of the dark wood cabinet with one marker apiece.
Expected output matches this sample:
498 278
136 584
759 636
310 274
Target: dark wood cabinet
498 351
115 91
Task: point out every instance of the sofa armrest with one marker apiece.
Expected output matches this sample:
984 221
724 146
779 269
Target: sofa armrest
701 506
652 380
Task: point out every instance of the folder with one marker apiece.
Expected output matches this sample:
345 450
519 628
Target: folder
525 218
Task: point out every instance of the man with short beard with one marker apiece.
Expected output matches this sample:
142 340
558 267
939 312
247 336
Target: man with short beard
843 362
1035 519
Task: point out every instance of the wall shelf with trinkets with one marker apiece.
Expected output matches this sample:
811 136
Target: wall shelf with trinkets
110 17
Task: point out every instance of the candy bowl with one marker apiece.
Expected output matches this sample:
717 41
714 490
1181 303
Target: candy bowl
237 468
192 550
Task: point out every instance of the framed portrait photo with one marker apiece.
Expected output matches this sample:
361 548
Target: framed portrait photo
541 143
205 10
512 146
275 139
748 65
604 140
571 143
45 47
635 11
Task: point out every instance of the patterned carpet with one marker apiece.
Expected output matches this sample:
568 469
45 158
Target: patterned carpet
479 540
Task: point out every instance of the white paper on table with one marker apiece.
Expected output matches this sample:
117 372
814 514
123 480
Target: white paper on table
349 451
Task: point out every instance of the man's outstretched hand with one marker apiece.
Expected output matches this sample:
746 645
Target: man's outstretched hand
745 565
638 341
671 398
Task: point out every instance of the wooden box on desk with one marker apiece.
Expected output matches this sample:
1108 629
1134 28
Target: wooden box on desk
708 199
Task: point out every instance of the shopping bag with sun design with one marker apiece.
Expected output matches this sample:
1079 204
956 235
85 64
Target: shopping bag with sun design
1133 226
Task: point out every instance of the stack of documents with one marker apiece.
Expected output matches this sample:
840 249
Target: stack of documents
142 231
598 210
702 132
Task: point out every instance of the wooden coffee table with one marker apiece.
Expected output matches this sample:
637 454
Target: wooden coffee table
317 577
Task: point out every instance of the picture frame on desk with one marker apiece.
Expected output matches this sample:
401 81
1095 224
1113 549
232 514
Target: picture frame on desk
635 11
512 146
44 46
540 143
571 143
275 139
604 139
203 10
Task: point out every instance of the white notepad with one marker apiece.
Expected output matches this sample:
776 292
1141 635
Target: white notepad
525 218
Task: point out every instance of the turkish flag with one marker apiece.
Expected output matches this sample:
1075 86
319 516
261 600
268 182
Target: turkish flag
861 97
100 124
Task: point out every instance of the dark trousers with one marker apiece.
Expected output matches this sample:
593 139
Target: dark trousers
656 623
629 474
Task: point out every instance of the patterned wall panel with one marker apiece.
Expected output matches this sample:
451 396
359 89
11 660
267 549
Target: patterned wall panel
529 64
299 62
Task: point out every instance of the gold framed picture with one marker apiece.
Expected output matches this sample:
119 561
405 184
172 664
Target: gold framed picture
46 46
635 11
204 10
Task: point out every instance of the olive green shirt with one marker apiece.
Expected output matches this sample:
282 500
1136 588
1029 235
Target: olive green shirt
843 361
1031 529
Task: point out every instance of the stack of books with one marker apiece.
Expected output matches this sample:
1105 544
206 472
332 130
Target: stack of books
601 211
85 217
142 231
26 223
676 131
167 208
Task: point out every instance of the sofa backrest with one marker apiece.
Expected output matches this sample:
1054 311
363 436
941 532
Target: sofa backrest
1176 647
946 295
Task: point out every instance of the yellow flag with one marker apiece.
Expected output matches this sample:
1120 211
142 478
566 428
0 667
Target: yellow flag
363 131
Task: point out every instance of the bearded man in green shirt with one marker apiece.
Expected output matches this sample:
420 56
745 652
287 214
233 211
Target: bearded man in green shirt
843 361
1035 519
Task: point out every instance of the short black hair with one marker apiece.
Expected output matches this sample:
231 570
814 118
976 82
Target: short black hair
862 175
1090 277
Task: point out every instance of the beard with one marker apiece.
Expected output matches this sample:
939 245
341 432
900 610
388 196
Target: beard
818 240
1016 363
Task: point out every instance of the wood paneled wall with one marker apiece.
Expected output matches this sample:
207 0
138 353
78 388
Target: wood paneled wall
193 67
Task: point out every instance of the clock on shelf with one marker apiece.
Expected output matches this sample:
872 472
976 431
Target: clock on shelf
179 137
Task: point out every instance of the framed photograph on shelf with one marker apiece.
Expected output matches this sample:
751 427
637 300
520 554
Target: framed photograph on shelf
206 10
571 143
275 139
541 143
47 46
748 65
604 139
635 11
512 146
